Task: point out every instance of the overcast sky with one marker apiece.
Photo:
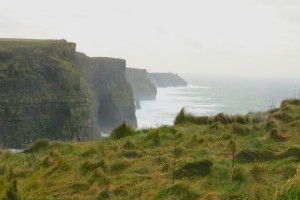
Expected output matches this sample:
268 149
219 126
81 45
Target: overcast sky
232 37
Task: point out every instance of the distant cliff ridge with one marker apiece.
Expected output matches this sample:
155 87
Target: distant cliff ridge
143 88
42 94
113 96
166 80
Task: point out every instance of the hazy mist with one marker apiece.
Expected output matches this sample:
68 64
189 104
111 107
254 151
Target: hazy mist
217 37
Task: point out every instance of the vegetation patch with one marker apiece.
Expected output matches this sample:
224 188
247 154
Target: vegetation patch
194 169
119 165
291 152
252 155
122 131
88 166
90 152
240 129
178 191
37 146
12 192
277 135
132 154
223 118
183 117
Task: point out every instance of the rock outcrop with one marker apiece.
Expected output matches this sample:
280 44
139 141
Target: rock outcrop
113 96
42 94
143 88
167 80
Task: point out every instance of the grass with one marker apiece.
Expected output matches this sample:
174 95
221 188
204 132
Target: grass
140 164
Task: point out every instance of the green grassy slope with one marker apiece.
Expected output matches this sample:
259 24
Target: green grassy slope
190 160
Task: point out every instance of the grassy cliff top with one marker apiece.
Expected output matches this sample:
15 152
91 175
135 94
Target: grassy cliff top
11 43
26 40
80 54
190 160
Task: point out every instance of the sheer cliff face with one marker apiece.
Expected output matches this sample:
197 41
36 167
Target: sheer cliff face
166 80
42 94
143 88
113 95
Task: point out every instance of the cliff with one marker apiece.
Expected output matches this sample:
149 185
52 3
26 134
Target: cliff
42 94
143 88
167 80
113 95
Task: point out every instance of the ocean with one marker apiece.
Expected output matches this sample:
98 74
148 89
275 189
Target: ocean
209 96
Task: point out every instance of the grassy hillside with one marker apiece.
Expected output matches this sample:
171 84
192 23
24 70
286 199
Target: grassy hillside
190 160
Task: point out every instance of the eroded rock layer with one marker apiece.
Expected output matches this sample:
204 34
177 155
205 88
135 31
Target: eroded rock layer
42 94
113 96
143 88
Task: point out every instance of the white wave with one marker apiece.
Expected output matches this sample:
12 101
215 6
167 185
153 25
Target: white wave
169 101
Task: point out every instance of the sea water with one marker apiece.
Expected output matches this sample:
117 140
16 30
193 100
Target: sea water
211 95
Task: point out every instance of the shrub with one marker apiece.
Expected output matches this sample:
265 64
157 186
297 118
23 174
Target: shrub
180 118
223 118
154 138
240 119
119 165
194 169
37 146
258 117
240 129
292 101
123 130
129 144
290 152
251 155
283 116
88 166
183 117
276 135
257 144
201 120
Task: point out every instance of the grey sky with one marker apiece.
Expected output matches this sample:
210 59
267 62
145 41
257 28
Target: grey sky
232 37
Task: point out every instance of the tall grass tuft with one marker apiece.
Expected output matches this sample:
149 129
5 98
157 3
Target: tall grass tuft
37 146
12 192
123 130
